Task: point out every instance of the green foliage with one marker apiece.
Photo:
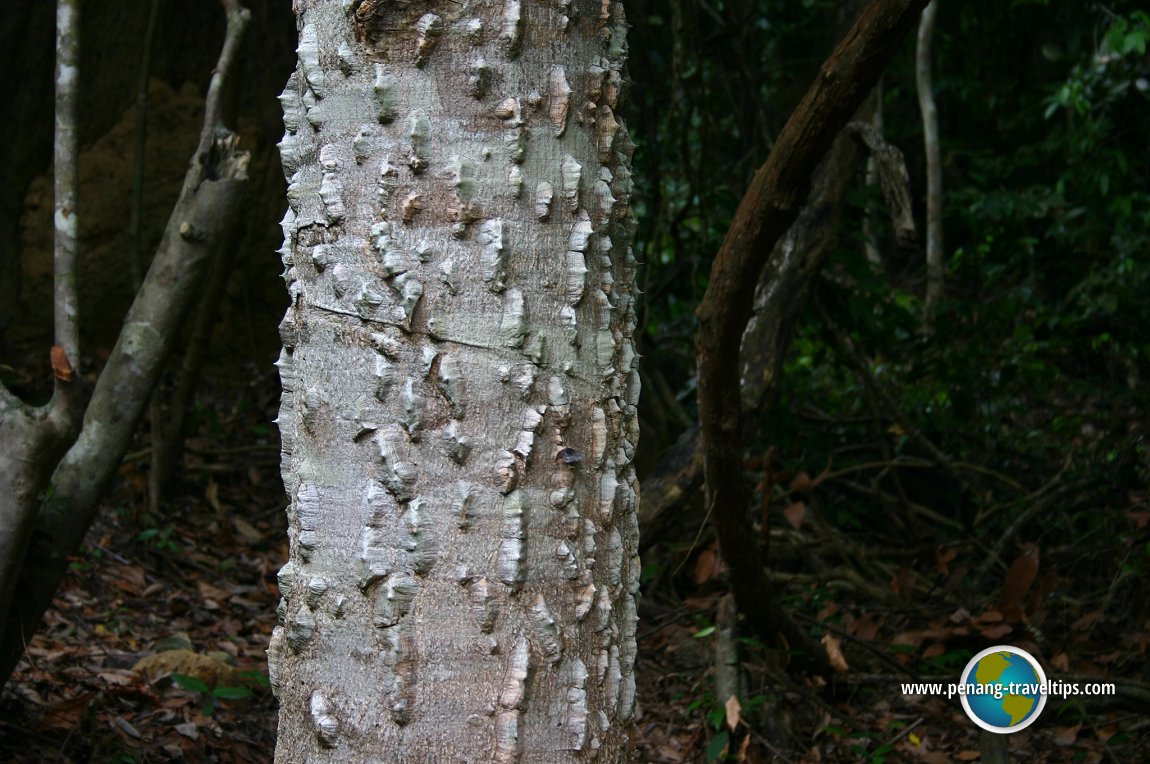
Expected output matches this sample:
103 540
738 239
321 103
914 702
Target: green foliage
161 539
211 695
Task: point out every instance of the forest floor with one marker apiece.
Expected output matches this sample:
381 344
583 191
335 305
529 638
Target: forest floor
194 596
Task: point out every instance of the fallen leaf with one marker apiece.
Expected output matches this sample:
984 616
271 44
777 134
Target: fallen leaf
208 670
188 730
208 591
1066 736
912 638
866 628
126 727
997 632
1086 622
708 565
802 483
67 714
212 494
795 514
903 582
733 708
1018 581
935 757
61 367
1140 519
943 557
835 653
246 530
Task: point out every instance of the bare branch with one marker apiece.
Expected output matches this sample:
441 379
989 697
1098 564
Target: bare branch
777 193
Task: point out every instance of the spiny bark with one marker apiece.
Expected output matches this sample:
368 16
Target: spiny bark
459 410
769 207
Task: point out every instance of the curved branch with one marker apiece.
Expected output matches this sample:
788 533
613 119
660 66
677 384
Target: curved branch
779 189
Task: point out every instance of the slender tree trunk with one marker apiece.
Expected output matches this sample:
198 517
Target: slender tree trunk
459 410
934 269
59 511
34 438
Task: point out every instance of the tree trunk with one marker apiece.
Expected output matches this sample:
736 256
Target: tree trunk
459 410
922 79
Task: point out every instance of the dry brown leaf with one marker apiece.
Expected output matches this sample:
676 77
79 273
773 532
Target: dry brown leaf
835 655
212 494
1066 736
1086 622
969 755
943 557
934 650
208 670
903 582
997 632
1140 519
67 714
733 708
61 367
912 638
795 514
866 628
1107 732
1060 661
708 565
955 579
246 530
123 725
208 591
1018 581
802 483
935 757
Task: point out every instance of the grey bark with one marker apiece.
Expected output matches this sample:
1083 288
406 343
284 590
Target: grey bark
35 437
934 269
459 409
208 208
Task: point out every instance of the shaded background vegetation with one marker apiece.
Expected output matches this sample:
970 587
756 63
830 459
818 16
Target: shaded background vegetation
921 463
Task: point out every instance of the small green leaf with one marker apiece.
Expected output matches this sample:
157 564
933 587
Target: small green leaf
190 683
708 631
228 693
718 746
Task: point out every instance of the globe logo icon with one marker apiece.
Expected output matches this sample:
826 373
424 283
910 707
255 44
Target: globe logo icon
1003 689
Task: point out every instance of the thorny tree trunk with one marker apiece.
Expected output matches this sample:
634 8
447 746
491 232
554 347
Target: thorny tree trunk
458 419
